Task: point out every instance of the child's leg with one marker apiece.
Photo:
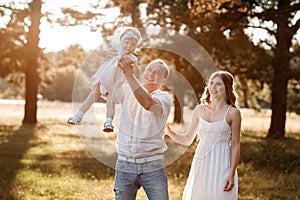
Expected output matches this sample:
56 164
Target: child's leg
110 107
90 99
87 103
110 112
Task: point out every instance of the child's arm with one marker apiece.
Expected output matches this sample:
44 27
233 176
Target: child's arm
110 53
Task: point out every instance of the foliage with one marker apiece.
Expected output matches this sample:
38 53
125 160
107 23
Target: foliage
21 33
294 96
12 41
61 88
66 66
9 91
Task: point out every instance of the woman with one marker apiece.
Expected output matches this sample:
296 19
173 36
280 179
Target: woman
213 174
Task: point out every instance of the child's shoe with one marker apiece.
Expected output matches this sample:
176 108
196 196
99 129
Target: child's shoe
108 127
103 91
76 119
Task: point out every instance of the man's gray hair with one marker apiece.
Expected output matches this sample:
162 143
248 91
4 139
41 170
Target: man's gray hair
163 63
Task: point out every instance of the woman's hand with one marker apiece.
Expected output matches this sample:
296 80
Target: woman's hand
229 184
169 132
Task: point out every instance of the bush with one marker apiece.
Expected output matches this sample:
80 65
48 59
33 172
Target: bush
10 90
293 96
63 83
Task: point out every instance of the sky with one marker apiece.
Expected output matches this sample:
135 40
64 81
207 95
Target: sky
56 37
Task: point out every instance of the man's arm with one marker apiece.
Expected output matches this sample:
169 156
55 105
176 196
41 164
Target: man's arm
140 93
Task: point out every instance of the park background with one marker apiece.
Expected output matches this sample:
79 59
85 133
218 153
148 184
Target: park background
42 157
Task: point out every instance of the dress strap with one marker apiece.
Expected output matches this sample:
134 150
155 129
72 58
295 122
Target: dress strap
227 112
203 111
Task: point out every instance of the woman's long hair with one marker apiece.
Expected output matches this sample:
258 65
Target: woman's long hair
228 80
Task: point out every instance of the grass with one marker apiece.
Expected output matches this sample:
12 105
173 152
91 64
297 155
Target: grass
51 161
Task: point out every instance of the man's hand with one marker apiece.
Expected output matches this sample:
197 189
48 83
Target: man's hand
125 65
140 93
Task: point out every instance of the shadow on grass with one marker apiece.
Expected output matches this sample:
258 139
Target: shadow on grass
14 144
50 154
272 155
63 152
77 162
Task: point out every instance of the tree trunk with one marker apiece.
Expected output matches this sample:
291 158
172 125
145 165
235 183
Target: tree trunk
31 54
178 118
279 104
281 74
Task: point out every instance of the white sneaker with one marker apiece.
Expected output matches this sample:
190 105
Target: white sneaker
103 91
75 120
108 127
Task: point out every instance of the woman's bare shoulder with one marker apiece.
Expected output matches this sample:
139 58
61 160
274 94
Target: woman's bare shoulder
234 113
199 108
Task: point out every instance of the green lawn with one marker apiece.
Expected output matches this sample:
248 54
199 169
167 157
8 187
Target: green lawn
51 161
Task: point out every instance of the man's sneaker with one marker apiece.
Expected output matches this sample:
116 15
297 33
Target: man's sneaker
108 127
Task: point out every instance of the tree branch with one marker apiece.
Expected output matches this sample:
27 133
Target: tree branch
270 14
12 9
296 27
264 28
266 43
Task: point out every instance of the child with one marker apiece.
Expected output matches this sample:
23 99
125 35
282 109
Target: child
109 76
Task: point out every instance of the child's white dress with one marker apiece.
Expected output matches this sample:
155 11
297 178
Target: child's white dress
109 75
211 164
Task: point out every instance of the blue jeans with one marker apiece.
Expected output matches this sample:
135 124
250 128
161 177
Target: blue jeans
128 182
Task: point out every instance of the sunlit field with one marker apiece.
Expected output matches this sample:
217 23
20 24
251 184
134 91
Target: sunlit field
52 161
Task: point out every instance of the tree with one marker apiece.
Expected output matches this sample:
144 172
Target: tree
281 14
282 64
220 27
21 52
22 61
32 54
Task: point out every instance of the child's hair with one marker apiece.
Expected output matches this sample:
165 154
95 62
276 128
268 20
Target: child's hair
228 80
130 32
120 33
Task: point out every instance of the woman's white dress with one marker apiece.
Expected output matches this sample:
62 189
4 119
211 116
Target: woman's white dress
211 164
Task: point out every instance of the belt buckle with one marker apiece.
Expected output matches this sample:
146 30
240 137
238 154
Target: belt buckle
140 160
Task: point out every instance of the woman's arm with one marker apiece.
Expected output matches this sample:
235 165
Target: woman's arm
235 119
188 137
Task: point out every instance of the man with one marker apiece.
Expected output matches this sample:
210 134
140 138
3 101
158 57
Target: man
140 140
